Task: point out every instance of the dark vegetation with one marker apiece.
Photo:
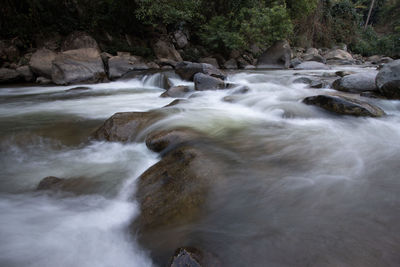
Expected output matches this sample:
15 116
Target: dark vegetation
218 26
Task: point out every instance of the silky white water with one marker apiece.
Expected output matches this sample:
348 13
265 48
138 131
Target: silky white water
306 187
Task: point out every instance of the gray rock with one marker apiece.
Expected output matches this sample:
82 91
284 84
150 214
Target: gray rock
76 66
338 54
204 82
9 75
164 49
295 62
176 91
231 64
311 65
180 39
26 73
120 65
388 80
41 62
312 57
43 80
78 40
192 257
344 105
356 83
277 56
210 60
343 73
186 70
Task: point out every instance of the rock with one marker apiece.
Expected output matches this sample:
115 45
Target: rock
125 126
340 62
166 139
356 83
295 62
76 66
231 64
204 82
311 65
186 70
9 75
77 185
78 40
210 60
374 59
305 80
388 80
385 60
240 90
344 105
176 102
312 57
120 65
338 54
192 257
78 89
42 61
255 50
343 73
166 50
43 80
174 190
26 73
277 56
176 91
312 51
250 67
318 84
8 52
153 65
180 39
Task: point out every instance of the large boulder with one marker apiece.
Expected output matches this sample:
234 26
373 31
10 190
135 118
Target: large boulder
204 82
186 70
120 65
180 39
76 66
41 62
277 56
26 73
338 54
231 64
356 83
78 40
163 49
9 75
344 105
311 65
166 139
388 80
125 126
210 60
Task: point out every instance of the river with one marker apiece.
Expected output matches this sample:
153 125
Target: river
305 187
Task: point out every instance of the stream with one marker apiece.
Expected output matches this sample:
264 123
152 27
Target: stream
305 187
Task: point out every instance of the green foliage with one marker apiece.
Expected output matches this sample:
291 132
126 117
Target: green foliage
300 9
261 26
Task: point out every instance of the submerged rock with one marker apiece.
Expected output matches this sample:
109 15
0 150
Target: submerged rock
159 141
125 126
186 70
311 65
356 83
176 91
192 257
78 186
344 105
388 80
204 82
277 56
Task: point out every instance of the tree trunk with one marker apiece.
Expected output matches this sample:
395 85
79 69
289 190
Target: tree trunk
369 14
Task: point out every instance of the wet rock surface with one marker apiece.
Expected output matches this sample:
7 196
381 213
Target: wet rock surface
186 70
388 80
356 83
204 82
344 105
177 91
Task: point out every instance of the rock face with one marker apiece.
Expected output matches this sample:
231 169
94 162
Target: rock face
9 75
311 65
176 91
80 65
388 80
78 40
42 61
204 82
120 65
166 50
186 70
338 54
344 106
192 257
356 83
125 126
277 56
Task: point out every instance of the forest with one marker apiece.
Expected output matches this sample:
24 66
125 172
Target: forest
219 26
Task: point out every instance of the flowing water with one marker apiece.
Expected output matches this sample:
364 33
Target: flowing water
304 188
